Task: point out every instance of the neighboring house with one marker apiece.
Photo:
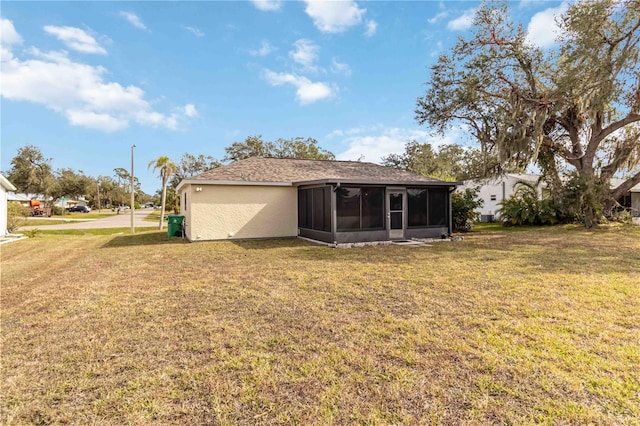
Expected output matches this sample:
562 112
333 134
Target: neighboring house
494 190
631 200
5 187
330 201
21 199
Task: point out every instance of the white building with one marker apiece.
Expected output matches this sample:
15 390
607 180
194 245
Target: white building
5 186
494 190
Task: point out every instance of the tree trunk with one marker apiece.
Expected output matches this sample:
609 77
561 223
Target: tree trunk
162 203
590 198
589 216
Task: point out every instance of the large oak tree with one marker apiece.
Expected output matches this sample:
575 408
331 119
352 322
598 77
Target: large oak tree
298 147
573 108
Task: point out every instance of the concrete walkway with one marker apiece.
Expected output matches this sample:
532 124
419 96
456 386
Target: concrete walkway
122 220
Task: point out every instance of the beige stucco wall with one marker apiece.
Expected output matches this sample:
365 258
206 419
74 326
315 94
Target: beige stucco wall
221 212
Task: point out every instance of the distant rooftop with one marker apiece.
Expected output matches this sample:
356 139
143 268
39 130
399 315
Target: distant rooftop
306 171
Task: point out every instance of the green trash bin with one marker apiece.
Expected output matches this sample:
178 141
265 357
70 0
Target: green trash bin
174 226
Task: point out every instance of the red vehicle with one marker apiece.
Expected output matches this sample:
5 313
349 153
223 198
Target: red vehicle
38 210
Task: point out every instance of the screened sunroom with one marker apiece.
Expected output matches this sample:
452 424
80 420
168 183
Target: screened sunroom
349 212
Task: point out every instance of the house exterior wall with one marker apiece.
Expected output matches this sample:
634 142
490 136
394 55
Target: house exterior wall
221 212
501 188
3 210
635 207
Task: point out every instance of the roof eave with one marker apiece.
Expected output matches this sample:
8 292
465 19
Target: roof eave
6 184
376 182
229 182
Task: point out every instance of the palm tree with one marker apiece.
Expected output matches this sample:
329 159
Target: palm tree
166 167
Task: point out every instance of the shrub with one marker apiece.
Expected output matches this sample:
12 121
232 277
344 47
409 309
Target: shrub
463 206
622 216
31 233
16 215
525 207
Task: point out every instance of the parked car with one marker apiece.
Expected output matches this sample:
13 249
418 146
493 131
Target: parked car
81 209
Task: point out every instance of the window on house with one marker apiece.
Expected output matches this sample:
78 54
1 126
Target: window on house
302 209
348 208
185 201
437 207
314 208
372 208
417 206
360 208
427 207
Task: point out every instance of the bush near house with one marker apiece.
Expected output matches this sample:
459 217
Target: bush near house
525 207
464 205
16 215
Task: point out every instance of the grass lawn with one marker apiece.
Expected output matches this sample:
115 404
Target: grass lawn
154 216
61 219
540 326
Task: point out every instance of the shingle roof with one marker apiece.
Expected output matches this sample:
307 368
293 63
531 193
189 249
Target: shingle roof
306 171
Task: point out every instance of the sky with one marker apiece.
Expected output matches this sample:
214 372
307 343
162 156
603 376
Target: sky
85 81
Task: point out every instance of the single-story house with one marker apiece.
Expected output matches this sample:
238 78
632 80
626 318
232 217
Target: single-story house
21 199
496 189
5 187
329 201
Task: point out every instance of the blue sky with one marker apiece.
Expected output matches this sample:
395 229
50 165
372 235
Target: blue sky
84 81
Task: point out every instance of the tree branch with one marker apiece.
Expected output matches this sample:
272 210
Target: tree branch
625 186
597 138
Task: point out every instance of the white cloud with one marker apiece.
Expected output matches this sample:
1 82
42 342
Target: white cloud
305 53
334 16
264 50
438 17
462 22
372 27
133 20
307 91
194 30
156 119
371 144
543 29
76 39
8 33
340 68
93 120
79 92
190 110
267 5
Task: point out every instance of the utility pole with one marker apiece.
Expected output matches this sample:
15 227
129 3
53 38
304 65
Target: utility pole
98 197
133 229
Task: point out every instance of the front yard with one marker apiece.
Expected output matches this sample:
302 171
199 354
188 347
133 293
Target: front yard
535 326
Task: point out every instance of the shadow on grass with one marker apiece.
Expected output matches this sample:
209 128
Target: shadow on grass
271 243
144 239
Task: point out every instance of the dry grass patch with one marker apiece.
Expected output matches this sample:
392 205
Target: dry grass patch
538 326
